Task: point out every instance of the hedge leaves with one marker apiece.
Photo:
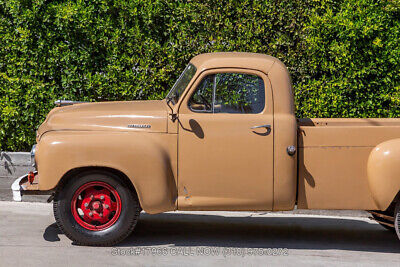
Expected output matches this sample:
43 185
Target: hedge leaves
343 55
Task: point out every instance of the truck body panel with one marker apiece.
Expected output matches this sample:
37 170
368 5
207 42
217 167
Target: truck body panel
148 160
108 116
333 159
219 151
384 173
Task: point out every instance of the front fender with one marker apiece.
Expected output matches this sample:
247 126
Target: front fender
147 159
384 172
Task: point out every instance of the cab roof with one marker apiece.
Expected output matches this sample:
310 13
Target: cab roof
255 61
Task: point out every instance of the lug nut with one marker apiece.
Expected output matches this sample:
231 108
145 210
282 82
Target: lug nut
90 213
86 205
106 206
102 197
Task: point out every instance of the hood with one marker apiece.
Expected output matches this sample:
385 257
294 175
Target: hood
145 116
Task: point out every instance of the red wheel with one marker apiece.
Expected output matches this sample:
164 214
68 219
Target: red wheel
96 206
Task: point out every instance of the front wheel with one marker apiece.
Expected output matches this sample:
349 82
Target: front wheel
96 208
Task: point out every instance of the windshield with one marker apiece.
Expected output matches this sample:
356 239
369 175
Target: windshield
181 84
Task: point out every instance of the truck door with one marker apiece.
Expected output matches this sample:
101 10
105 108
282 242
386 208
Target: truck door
225 142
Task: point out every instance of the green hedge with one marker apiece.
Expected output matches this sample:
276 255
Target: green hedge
344 56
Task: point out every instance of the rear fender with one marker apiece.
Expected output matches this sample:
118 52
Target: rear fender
384 172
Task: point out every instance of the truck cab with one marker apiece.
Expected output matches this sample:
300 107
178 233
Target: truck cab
229 113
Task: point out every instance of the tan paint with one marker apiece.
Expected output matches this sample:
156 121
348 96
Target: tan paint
384 172
148 159
214 161
108 116
333 157
220 150
284 166
285 132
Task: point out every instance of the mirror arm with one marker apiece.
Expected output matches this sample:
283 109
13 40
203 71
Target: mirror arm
173 115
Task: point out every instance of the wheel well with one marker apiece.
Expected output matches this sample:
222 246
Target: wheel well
391 208
73 172
395 199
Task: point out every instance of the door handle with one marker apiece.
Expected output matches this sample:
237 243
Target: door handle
266 126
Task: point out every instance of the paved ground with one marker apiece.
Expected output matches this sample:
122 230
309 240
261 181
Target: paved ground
28 236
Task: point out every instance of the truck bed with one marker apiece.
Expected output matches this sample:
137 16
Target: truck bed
332 161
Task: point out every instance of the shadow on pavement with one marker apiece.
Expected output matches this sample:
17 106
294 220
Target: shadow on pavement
296 232
51 233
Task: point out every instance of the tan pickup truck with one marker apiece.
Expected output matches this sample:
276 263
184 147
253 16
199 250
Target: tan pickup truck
225 138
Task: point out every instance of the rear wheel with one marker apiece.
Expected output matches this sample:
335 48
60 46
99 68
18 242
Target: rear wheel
96 208
397 219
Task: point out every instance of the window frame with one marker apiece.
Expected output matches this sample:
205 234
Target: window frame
220 71
173 89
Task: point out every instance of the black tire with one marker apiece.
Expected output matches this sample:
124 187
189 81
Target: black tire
397 219
123 226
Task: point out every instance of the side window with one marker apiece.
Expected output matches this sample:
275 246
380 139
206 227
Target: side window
229 93
239 93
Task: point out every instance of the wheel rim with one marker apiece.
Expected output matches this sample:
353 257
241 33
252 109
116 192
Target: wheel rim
96 206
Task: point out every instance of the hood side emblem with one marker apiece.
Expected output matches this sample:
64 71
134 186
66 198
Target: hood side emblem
139 126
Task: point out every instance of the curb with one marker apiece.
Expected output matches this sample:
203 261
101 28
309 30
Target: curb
12 166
